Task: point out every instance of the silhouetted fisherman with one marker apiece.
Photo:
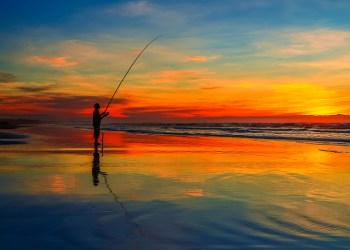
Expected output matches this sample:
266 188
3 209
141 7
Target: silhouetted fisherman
97 117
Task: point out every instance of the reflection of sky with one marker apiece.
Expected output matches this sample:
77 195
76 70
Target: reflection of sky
182 166
202 191
215 59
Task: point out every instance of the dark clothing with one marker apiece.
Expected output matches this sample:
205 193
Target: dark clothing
96 118
96 132
96 122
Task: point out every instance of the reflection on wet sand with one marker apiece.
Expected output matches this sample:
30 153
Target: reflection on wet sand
96 167
96 171
183 192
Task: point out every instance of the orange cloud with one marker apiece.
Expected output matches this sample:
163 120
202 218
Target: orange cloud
177 73
210 87
183 75
62 61
200 58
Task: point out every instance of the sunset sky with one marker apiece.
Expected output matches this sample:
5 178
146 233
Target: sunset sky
216 60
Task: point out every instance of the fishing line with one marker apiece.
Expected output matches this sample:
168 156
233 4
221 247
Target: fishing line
135 228
120 83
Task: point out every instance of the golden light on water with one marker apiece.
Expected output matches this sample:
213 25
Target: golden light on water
60 184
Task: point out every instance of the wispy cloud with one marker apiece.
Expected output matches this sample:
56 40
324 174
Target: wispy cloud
84 50
303 43
210 87
140 8
342 62
158 14
35 87
7 77
180 76
35 103
200 58
62 61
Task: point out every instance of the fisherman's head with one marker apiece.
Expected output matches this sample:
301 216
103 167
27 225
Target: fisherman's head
97 106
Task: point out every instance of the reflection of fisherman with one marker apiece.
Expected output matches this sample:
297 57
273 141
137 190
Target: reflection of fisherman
97 117
95 168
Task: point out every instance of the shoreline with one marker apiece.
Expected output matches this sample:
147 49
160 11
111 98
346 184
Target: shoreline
82 137
344 142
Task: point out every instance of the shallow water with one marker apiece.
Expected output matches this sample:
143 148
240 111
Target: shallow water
172 192
336 133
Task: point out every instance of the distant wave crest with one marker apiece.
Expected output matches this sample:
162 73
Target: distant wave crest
334 133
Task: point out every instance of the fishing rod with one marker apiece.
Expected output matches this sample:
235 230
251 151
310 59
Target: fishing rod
129 70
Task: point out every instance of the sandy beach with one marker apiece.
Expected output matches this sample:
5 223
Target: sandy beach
170 192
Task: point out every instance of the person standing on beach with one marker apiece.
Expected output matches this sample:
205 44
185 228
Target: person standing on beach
97 117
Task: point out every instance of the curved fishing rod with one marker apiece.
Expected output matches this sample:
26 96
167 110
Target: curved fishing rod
129 70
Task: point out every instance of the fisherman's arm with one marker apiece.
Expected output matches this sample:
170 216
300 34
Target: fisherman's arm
104 114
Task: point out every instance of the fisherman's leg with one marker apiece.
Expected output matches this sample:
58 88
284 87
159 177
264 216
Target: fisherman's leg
96 136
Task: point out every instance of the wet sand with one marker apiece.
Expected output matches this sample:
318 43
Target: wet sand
171 192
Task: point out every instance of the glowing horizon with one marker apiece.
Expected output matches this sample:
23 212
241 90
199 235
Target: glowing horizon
214 62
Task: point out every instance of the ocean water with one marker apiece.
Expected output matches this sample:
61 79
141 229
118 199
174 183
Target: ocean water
154 191
335 133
